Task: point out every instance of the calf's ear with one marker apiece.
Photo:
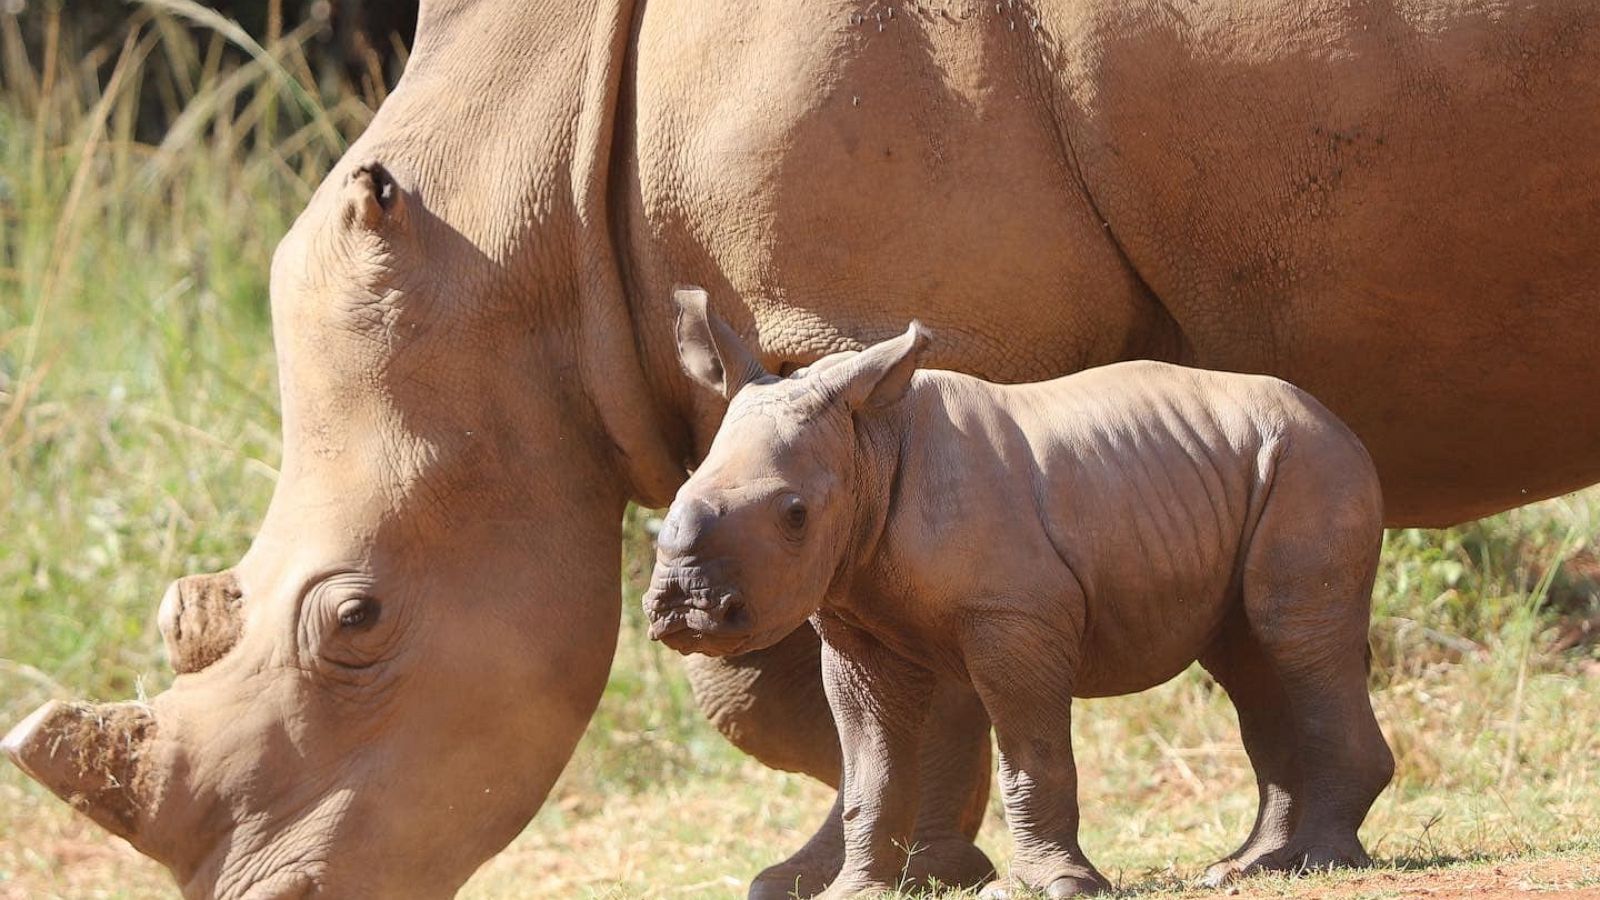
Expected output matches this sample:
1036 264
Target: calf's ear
880 374
709 349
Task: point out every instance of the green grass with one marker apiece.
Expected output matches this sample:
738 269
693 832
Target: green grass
139 436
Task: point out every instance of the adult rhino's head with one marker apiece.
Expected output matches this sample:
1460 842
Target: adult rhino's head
380 693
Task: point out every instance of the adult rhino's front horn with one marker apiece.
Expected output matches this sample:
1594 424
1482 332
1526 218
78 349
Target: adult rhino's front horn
95 756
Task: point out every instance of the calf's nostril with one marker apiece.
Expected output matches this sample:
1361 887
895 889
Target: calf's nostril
728 609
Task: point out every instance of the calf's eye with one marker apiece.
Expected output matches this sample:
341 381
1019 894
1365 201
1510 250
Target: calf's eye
794 513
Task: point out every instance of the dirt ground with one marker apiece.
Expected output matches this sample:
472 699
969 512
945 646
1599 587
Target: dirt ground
592 847
74 862
1571 876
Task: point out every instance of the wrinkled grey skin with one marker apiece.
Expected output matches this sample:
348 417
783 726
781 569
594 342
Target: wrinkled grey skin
1087 536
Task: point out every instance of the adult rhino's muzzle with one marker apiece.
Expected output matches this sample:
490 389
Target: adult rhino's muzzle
693 611
96 757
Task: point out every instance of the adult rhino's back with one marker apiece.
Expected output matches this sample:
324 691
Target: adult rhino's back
1392 205
1396 206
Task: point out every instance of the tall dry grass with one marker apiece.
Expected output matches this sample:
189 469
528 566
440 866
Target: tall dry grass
138 428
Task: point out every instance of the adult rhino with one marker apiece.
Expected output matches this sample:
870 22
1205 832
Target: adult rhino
1396 206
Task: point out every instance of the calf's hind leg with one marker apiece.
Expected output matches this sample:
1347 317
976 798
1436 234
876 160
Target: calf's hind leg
1307 598
1239 664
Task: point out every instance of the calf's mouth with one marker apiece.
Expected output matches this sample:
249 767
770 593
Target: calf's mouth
692 611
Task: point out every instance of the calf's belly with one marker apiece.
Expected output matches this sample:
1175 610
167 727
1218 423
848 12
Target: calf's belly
1138 653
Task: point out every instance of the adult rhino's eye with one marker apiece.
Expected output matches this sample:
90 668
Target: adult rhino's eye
794 513
358 612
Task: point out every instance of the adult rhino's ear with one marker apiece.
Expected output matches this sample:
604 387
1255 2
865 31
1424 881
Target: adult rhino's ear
879 375
371 197
709 348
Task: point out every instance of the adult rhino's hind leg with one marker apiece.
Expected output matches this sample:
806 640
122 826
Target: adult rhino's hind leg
955 774
771 704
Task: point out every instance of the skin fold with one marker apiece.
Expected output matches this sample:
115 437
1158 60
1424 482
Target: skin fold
1087 536
1388 205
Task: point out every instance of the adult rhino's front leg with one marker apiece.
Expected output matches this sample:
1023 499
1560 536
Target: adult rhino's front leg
771 704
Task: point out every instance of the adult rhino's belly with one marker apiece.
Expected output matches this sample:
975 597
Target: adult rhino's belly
843 173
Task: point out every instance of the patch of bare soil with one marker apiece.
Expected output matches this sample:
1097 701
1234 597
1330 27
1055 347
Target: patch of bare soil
1560 876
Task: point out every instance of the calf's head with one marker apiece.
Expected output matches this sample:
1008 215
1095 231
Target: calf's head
756 537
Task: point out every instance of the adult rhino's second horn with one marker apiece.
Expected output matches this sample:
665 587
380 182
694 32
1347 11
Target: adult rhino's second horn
93 756
200 620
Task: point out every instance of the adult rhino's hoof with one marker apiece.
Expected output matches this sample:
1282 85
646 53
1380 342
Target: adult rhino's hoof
857 889
1220 874
1316 856
786 882
1063 886
952 863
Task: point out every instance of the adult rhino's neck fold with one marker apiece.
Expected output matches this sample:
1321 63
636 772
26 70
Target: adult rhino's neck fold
609 352
566 62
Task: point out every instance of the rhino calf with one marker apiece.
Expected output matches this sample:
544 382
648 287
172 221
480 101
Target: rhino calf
1088 536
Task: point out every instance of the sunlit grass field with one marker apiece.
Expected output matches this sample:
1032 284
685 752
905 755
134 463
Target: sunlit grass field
139 439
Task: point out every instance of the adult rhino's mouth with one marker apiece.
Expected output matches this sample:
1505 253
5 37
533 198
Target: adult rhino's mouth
277 870
694 612
283 886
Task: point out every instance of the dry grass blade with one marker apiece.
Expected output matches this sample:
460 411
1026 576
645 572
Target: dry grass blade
21 81
230 29
52 45
183 60
1536 601
134 50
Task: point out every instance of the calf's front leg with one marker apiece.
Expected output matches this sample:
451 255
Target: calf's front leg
879 701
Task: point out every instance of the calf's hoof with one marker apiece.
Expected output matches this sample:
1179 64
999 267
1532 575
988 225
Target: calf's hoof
1059 887
953 862
1295 858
